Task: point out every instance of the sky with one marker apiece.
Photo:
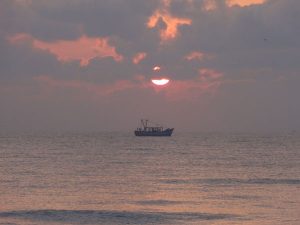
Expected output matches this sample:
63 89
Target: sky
87 65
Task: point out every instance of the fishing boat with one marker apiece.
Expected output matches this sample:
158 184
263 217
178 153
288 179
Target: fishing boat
148 130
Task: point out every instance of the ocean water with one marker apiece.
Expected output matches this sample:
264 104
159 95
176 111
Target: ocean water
117 178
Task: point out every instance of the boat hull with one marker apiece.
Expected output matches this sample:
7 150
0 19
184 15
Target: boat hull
164 133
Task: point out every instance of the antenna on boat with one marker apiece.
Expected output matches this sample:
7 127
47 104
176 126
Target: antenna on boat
144 122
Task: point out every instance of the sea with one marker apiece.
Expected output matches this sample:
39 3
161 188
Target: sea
115 178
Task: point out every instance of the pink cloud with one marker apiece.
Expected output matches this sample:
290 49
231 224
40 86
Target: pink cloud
20 38
209 74
209 5
243 3
83 49
197 56
208 82
139 57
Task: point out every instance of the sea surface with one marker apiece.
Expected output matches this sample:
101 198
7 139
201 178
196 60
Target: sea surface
117 178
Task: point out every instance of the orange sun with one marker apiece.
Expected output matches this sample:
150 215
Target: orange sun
160 82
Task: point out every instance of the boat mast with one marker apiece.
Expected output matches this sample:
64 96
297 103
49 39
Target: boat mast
144 123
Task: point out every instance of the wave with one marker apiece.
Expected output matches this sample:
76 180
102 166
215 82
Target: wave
111 217
233 181
159 202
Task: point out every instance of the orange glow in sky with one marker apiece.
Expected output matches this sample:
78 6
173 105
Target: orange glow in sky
171 22
243 3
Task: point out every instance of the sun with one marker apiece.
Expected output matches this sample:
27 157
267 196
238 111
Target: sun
156 68
160 82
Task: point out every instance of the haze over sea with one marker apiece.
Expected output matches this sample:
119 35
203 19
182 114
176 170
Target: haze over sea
117 178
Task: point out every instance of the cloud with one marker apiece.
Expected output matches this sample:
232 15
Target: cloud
244 3
209 5
139 57
207 82
237 51
209 74
195 56
83 49
169 29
